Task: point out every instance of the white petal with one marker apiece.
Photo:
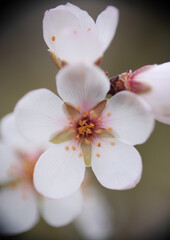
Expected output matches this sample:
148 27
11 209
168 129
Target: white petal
8 158
17 213
59 212
12 137
117 166
78 45
158 78
59 172
131 119
55 20
81 84
106 25
84 19
39 115
95 222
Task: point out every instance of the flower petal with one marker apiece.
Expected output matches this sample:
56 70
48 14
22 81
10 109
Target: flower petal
106 25
7 160
83 85
129 118
59 171
12 137
95 221
39 115
78 45
84 19
157 77
59 212
55 20
116 165
17 213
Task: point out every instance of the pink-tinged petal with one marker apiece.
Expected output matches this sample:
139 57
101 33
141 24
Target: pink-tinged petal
82 85
95 221
84 19
18 212
116 165
8 161
39 115
106 25
59 171
78 45
55 20
158 78
60 212
129 118
12 137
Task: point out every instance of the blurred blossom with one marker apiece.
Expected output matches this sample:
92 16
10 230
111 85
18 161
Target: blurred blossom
152 83
20 204
96 220
88 127
73 36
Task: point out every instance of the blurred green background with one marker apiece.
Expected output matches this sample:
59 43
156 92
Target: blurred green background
142 37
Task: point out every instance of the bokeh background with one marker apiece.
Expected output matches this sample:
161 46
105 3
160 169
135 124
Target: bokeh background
142 37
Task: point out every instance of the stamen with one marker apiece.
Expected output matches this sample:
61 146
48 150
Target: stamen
78 107
88 29
67 148
74 148
97 155
87 141
85 114
53 38
82 123
108 114
80 154
71 122
112 143
72 130
100 120
91 125
92 114
77 137
99 144
69 117
109 129
99 131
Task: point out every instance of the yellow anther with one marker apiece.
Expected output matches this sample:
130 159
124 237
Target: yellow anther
67 148
74 148
112 143
77 137
100 120
85 114
91 125
53 38
72 130
97 154
109 129
82 123
108 114
71 122
78 107
80 154
92 114
88 131
87 141
99 144
99 131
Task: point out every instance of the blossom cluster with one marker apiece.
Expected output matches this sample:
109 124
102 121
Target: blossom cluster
93 121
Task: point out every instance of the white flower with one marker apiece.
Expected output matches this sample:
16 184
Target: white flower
91 131
20 204
152 83
73 36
